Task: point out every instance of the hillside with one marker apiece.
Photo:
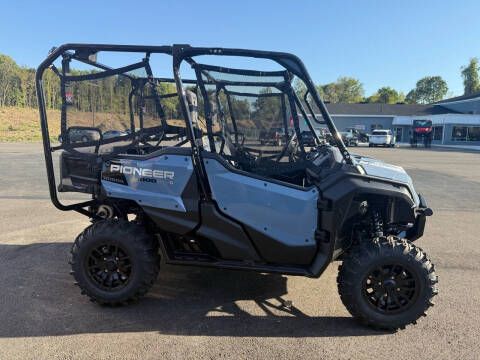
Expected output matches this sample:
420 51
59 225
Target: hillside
23 124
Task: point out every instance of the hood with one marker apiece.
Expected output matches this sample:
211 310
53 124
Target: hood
378 168
381 169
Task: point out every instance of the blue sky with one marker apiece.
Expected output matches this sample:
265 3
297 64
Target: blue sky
381 43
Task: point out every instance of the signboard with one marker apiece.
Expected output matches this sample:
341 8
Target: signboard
359 127
69 98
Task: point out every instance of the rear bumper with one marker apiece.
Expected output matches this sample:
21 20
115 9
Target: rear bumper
418 228
381 141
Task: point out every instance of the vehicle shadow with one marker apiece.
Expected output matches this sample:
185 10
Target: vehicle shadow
38 298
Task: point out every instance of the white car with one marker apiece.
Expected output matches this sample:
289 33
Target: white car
381 137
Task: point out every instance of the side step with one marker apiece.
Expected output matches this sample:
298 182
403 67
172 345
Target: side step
193 256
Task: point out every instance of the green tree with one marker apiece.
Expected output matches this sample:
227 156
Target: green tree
170 105
428 90
344 90
471 81
9 81
386 95
267 110
300 88
240 108
411 97
329 92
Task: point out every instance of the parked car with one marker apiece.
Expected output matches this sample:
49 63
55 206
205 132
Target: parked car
113 133
80 135
381 137
361 135
349 137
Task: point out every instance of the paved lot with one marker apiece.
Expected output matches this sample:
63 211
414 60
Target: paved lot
200 313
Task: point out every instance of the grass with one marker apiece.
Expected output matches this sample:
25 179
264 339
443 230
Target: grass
23 124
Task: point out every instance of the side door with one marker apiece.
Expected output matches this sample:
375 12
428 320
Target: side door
280 218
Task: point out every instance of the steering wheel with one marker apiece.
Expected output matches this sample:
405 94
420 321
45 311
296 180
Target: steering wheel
239 134
222 137
290 145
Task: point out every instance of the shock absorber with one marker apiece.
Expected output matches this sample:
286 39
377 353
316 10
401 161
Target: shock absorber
377 223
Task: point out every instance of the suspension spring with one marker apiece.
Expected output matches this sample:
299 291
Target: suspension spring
377 224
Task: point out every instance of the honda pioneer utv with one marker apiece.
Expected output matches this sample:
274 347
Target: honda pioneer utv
180 175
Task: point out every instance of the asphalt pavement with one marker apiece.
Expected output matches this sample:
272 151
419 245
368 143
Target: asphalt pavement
197 313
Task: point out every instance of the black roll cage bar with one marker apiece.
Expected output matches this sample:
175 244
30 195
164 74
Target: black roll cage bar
81 53
180 53
290 62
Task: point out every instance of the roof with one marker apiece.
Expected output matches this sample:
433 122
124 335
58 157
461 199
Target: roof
377 109
460 98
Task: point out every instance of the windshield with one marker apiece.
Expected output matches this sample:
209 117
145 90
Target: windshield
422 123
380 132
249 107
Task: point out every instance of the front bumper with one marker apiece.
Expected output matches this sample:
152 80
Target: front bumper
418 228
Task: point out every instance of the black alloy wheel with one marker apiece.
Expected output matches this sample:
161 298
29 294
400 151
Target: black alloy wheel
109 266
390 288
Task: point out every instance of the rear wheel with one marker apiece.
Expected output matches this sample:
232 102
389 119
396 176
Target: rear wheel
387 283
115 262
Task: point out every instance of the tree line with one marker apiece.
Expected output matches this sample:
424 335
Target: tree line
17 88
427 90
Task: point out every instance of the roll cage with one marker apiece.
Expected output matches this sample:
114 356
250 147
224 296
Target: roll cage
293 67
279 81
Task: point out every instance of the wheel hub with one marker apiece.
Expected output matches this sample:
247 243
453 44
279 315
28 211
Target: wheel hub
109 267
111 264
390 288
389 283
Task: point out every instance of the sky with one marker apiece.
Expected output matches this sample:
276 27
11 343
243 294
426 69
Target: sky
382 43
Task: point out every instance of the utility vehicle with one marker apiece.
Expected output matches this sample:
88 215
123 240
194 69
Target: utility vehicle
189 183
422 132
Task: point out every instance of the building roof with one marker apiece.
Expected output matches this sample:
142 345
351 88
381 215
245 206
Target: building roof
376 109
460 98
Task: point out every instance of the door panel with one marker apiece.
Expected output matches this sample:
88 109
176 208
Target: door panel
165 186
285 215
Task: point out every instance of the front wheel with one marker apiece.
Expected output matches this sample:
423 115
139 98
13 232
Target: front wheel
387 283
115 262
